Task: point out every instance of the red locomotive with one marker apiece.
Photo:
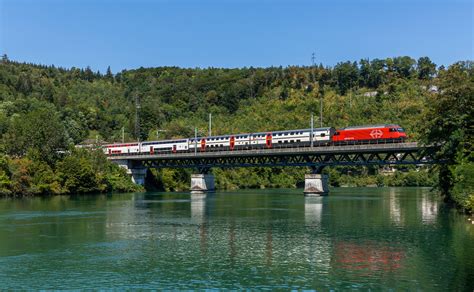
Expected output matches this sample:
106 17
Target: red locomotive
369 134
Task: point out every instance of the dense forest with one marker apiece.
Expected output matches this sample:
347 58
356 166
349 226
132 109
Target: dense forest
46 110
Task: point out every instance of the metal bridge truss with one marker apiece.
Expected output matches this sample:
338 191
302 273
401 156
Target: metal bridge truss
316 158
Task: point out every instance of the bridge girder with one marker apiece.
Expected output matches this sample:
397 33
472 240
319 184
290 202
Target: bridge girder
316 160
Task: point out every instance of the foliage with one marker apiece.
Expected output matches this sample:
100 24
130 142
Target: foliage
449 122
44 110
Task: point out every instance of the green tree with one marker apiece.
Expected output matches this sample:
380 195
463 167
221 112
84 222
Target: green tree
449 122
40 129
426 68
77 174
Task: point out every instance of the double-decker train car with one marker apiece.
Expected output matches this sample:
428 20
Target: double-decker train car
165 146
123 148
295 138
260 140
368 134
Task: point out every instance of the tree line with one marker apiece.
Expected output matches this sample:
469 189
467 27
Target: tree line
46 109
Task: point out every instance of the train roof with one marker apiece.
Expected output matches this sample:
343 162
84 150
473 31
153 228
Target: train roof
164 141
370 127
260 133
121 144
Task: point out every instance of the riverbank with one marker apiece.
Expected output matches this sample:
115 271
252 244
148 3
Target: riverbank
77 171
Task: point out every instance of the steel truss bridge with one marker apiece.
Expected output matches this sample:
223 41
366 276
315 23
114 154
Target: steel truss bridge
315 157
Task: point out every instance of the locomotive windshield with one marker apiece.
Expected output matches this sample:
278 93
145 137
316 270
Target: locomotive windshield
401 130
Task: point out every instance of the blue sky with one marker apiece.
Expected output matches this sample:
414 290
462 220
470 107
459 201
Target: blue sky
231 33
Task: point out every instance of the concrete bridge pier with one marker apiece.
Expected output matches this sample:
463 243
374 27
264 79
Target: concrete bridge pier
138 175
135 169
202 183
316 183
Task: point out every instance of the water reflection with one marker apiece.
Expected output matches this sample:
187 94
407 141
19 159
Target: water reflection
198 216
255 240
394 205
198 208
429 208
368 255
317 244
313 209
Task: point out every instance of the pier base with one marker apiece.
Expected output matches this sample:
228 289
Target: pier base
202 183
316 185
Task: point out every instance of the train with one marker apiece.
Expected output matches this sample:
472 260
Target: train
327 136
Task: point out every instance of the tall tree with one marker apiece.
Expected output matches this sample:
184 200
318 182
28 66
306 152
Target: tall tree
449 122
426 69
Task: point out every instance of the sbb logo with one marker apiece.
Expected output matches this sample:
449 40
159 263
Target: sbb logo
376 134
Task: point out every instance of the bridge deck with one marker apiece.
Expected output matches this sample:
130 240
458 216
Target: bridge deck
345 149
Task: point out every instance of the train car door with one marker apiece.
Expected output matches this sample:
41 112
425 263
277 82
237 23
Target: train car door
232 143
203 144
110 151
268 140
174 149
152 150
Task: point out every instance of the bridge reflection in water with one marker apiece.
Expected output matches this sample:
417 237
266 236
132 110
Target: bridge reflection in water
368 237
220 229
269 232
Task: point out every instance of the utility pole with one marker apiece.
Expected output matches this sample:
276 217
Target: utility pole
321 111
195 140
350 100
123 134
312 126
313 57
137 117
210 124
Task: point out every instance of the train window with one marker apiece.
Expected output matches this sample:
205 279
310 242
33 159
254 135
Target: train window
279 142
286 141
401 130
392 130
323 134
292 141
298 140
337 134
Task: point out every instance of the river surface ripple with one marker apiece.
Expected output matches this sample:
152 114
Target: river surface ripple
356 238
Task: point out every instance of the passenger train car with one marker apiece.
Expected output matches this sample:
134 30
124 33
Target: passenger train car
261 140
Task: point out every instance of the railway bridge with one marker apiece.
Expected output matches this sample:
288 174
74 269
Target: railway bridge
316 158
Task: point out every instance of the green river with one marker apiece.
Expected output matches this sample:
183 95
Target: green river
354 239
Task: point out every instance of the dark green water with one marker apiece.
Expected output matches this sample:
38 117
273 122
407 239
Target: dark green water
357 238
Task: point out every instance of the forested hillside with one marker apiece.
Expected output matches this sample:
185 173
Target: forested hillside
44 110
